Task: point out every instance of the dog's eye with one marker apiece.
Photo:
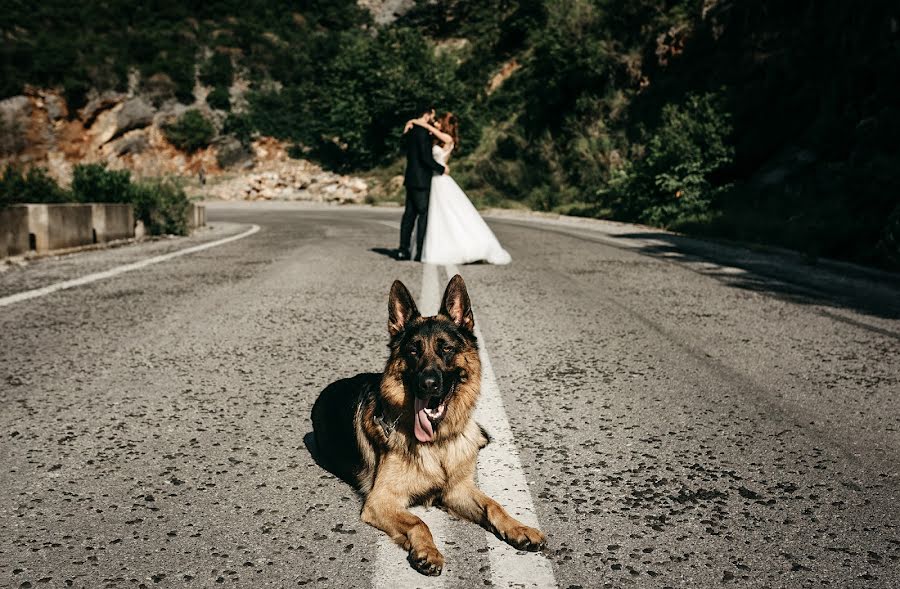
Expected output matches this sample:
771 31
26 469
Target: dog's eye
448 349
413 351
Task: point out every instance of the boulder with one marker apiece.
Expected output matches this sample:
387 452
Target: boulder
55 106
134 142
15 118
231 152
16 110
136 113
97 104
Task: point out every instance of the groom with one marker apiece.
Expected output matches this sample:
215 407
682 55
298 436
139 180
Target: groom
420 166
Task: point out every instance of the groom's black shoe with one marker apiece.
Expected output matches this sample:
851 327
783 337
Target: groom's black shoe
402 254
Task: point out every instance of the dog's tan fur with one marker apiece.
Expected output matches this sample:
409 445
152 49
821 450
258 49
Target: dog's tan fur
399 471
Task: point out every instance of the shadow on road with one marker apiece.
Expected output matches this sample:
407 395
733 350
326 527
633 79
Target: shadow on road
391 253
309 440
333 441
786 275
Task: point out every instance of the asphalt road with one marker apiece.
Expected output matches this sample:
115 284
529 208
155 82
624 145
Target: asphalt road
682 414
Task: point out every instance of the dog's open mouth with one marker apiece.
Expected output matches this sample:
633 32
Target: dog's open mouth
428 413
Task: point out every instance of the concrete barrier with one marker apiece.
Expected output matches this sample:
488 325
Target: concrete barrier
60 226
112 221
13 231
196 215
43 228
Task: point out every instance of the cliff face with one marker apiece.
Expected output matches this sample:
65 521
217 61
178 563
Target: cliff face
125 131
118 129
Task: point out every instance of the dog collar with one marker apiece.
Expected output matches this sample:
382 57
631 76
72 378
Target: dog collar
387 426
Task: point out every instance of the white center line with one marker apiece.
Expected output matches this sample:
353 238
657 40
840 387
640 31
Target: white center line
500 475
392 570
39 292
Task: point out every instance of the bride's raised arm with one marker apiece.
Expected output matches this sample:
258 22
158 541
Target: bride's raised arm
445 139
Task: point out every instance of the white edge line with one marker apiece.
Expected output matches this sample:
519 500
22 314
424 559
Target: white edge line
39 292
501 476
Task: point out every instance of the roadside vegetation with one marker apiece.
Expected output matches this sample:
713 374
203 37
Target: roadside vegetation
161 204
764 121
191 132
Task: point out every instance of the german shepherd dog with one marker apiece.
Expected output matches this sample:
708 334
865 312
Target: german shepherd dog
407 437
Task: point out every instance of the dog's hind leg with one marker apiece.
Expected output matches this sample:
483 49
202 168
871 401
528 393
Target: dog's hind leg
469 502
385 512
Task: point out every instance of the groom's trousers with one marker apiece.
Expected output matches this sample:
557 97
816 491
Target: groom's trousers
416 212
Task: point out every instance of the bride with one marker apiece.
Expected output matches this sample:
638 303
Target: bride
456 233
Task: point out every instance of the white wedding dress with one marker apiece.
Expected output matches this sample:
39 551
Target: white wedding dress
456 233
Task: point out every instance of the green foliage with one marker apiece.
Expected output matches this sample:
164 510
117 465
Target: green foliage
94 183
75 91
296 151
219 98
218 71
41 47
240 127
349 102
671 182
191 132
33 186
162 206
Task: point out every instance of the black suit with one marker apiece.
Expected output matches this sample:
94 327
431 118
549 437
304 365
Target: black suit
420 167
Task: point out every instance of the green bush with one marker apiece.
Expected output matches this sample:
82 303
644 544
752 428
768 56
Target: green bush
218 71
671 183
162 206
33 186
240 126
191 132
219 98
94 183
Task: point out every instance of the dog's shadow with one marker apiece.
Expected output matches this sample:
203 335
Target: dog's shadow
332 443
309 440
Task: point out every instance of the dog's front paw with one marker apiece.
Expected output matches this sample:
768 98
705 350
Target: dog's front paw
525 538
427 560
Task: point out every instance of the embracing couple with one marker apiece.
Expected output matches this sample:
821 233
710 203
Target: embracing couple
448 228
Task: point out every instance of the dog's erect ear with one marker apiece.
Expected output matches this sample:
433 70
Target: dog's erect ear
401 308
456 304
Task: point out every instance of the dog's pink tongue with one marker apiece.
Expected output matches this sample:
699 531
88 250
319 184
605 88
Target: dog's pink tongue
423 430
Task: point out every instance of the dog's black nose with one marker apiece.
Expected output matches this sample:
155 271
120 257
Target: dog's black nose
430 382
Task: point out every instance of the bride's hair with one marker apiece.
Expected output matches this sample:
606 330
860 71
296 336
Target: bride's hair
450 125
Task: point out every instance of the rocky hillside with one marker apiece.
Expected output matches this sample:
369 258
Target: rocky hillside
126 131
276 176
122 130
